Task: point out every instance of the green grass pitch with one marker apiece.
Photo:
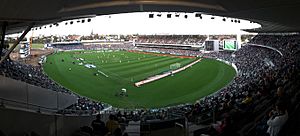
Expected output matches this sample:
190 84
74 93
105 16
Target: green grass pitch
125 68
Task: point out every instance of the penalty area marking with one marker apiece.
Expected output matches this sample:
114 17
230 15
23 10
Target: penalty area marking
170 73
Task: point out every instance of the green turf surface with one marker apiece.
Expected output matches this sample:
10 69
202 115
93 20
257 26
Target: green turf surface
33 45
37 45
125 68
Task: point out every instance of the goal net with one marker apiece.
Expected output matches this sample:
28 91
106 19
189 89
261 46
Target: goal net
175 66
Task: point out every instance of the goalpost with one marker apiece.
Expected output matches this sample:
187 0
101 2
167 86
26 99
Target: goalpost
175 66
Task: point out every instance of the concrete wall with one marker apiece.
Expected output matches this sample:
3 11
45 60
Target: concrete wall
15 122
15 93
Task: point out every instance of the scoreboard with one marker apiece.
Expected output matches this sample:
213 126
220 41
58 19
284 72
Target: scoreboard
230 45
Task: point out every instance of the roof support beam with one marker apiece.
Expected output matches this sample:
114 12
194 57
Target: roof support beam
17 42
4 25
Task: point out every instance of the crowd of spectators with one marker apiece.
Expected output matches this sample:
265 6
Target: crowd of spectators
84 106
34 75
95 46
70 47
170 51
29 74
129 46
114 126
172 39
260 72
263 78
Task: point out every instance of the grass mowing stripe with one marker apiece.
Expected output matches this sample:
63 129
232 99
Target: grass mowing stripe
189 85
147 65
131 61
126 67
161 68
118 74
136 61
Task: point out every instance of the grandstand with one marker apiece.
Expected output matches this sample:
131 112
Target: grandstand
184 42
253 91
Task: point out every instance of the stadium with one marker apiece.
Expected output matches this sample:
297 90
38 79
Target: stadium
72 68
113 76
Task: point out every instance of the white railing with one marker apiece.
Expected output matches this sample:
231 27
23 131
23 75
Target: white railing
264 46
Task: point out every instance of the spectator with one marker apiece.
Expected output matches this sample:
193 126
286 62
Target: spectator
277 120
99 126
248 99
220 126
112 124
282 97
258 68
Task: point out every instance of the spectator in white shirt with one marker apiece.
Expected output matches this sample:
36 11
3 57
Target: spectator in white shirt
277 120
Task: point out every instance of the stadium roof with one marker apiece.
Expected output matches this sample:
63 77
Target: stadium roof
273 15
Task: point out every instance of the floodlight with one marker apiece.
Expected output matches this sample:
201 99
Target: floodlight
169 15
151 15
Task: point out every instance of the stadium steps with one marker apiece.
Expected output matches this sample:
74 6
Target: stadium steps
193 127
133 128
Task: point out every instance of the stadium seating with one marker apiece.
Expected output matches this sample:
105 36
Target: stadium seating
248 97
172 39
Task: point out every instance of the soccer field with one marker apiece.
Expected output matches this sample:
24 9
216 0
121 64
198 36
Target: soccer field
116 70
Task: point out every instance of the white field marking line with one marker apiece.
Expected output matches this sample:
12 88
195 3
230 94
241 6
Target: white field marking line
157 77
117 75
102 73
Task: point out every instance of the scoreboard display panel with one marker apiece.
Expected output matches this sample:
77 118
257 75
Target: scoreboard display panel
230 45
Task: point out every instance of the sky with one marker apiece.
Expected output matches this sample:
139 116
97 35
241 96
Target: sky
140 23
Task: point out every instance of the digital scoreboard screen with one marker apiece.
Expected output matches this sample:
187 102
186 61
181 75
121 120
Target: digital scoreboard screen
230 45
